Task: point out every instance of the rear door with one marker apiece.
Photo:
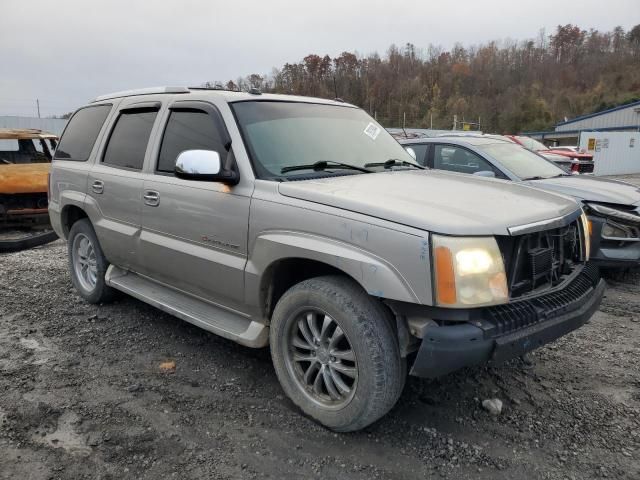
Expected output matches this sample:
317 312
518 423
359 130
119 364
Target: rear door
115 183
194 233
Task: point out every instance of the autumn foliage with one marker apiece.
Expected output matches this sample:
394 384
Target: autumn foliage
511 86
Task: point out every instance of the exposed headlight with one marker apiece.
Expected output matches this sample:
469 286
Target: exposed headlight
586 234
469 271
615 213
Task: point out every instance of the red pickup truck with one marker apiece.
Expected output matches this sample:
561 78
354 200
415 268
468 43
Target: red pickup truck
572 161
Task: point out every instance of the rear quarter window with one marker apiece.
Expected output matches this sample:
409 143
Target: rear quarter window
81 133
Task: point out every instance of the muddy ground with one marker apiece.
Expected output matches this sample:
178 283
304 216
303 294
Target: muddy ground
83 395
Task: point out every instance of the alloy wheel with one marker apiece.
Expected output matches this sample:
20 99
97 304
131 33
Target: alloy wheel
322 359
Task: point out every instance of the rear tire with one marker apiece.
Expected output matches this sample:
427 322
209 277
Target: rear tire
87 263
336 353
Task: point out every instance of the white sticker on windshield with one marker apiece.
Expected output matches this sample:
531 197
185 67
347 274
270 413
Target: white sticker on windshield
372 131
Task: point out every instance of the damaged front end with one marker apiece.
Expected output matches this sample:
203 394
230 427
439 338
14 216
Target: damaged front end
552 289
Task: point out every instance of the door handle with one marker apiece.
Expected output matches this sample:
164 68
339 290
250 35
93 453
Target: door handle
97 186
151 198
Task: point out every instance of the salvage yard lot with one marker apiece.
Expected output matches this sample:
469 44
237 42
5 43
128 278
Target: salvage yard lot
84 396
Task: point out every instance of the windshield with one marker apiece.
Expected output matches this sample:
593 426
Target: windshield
521 162
531 144
287 134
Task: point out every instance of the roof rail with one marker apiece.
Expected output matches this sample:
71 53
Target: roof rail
141 91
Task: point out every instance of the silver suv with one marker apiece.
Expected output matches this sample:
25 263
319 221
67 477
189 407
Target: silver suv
302 224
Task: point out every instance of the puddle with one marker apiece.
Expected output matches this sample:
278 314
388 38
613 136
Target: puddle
65 436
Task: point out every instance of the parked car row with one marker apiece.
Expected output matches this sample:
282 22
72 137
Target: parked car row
613 207
570 160
301 224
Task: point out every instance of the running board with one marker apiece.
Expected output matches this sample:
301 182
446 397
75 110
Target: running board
213 318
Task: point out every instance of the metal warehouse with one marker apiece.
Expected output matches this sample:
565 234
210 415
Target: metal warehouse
51 125
624 118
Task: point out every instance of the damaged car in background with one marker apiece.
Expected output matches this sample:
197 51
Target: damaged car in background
613 206
571 160
25 159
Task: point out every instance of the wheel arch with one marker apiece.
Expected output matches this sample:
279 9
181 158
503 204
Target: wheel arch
281 259
69 215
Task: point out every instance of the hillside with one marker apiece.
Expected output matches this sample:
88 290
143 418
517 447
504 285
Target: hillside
510 86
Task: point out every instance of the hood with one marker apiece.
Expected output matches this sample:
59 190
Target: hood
589 188
435 201
24 178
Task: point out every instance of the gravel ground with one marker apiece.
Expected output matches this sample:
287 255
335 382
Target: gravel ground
84 395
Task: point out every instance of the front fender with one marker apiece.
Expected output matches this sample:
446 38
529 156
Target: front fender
378 277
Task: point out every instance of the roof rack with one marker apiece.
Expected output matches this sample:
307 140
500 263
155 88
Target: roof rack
142 91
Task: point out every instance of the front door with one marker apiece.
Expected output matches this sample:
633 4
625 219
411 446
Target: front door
194 233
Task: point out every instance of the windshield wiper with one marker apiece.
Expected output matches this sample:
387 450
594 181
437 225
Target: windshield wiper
323 165
392 162
535 178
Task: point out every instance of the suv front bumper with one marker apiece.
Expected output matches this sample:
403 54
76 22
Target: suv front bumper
503 332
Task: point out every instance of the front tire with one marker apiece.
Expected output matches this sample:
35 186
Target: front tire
87 263
336 353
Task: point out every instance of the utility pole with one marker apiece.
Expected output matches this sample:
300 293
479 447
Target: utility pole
404 120
431 121
38 105
455 122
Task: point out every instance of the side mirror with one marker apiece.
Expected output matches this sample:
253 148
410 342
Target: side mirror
485 173
203 165
411 152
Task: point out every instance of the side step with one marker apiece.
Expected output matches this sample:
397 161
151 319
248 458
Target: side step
213 318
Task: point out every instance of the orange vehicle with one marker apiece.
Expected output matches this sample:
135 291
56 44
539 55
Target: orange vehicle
25 159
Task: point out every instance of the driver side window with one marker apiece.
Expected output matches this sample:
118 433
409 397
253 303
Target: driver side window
458 159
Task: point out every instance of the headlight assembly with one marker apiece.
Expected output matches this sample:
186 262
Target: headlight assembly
469 272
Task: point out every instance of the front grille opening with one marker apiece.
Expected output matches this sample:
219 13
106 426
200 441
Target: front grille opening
539 261
516 315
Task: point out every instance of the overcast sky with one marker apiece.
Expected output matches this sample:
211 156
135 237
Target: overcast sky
66 52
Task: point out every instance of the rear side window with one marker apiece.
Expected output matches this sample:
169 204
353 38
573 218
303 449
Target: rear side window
81 133
129 138
188 130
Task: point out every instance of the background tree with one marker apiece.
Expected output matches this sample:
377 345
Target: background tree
510 85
